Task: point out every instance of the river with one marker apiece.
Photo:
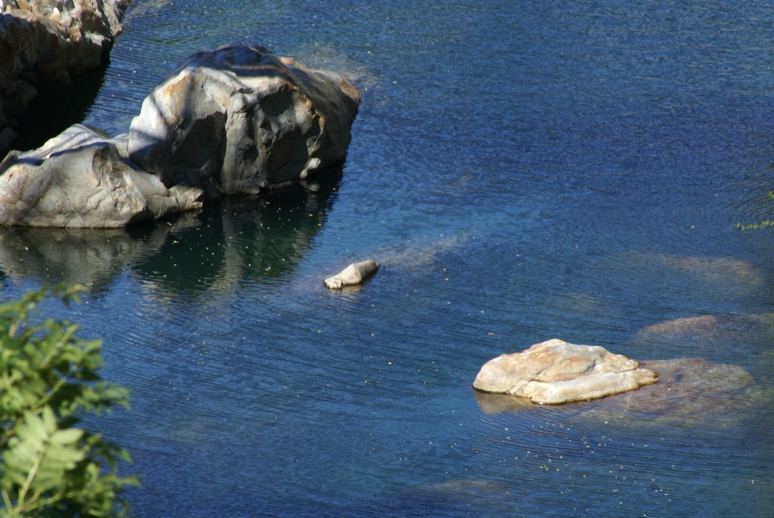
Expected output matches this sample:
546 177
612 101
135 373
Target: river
523 170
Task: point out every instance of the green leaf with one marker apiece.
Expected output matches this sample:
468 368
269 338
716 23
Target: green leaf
49 377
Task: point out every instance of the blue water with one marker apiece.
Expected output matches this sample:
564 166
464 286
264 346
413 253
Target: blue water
523 170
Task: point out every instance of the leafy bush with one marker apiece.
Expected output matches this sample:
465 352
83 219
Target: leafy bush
48 378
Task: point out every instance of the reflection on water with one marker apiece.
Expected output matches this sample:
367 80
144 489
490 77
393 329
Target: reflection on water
242 238
85 256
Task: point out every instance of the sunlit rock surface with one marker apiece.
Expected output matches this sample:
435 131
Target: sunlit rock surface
242 120
44 43
79 180
554 372
352 275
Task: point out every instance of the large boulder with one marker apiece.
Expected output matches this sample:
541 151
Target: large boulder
44 43
79 179
241 120
554 372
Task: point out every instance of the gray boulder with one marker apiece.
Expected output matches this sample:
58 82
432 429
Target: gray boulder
554 372
241 120
44 43
79 179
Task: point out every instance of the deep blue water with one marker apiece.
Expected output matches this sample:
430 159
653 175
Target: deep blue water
523 170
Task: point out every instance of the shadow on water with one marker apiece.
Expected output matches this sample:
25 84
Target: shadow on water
52 112
240 239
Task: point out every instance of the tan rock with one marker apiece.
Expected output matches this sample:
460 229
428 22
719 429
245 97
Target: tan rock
555 372
690 392
352 275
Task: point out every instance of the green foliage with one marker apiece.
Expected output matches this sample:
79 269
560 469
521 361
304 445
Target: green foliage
766 223
48 378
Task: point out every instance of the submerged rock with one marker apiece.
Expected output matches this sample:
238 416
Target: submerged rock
462 489
689 392
44 43
554 372
705 335
352 275
717 267
79 180
241 120
710 326
697 272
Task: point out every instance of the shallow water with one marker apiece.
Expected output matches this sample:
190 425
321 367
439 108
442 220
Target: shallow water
524 170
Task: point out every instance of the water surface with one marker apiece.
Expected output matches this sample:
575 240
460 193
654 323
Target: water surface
524 170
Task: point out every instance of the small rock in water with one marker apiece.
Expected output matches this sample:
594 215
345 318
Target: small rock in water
352 275
555 372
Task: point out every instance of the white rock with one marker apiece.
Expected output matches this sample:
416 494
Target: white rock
352 275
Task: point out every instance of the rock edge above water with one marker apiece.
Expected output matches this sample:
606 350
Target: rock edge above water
353 275
78 179
44 44
555 372
240 120
234 120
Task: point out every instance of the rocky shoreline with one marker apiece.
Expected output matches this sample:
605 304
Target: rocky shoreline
44 44
236 120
